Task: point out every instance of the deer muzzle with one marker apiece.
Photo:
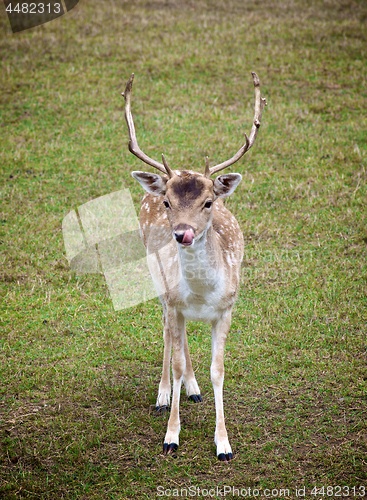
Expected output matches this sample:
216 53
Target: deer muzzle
184 234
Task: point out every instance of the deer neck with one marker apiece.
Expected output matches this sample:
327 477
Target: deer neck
199 262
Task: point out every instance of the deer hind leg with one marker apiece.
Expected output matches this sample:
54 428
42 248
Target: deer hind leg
176 325
219 333
191 386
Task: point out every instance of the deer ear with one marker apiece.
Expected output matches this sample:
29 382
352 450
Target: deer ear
224 185
152 183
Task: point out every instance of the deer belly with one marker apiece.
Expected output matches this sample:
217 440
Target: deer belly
201 312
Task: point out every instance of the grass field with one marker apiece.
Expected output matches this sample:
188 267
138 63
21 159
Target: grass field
78 379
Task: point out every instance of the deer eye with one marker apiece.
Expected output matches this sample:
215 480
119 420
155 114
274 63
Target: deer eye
208 204
166 204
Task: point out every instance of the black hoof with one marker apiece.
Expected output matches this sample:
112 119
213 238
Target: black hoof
225 457
161 410
169 449
196 398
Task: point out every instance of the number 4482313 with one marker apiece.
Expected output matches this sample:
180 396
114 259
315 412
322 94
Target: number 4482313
339 491
34 8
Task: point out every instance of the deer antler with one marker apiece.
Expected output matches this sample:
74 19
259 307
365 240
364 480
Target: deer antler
133 143
260 103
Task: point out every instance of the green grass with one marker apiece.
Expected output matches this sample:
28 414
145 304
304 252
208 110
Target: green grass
78 379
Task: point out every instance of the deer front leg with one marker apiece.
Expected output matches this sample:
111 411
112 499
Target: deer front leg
164 390
219 334
176 326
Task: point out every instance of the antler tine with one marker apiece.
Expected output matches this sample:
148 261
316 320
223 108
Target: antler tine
260 103
207 167
167 167
133 143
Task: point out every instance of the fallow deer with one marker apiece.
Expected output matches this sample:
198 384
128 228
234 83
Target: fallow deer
195 248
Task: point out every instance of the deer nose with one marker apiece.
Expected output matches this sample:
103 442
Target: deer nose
184 234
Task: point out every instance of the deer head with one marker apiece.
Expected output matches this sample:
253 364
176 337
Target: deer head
189 197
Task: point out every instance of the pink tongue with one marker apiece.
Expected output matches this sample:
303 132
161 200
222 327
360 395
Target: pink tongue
188 236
